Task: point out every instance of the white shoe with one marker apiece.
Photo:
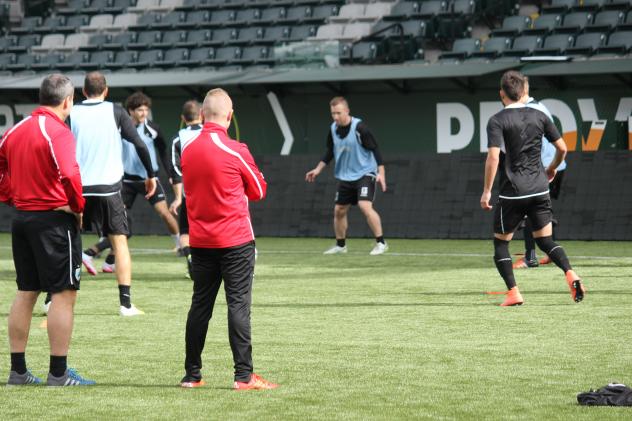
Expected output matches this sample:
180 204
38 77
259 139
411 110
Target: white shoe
46 307
108 268
336 250
380 248
88 263
132 311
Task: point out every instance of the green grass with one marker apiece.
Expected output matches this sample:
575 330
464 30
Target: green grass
408 335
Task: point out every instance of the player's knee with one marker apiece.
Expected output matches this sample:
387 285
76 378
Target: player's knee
546 244
501 249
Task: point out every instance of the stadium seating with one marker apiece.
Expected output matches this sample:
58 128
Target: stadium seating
555 44
512 26
587 44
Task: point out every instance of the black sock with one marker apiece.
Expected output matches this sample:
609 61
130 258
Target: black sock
529 242
186 251
90 252
103 244
125 296
380 239
58 365
109 259
18 362
555 252
190 267
340 242
502 258
48 298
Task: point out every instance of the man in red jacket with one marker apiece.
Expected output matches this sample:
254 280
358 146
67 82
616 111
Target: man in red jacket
219 177
40 177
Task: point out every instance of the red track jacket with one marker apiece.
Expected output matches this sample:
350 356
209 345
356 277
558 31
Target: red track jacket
38 168
219 176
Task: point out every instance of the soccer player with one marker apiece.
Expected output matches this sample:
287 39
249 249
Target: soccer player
515 144
192 119
138 106
40 177
530 259
100 128
358 168
219 177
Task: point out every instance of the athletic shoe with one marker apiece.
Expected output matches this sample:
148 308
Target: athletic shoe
255 382
380 248
70 378
336 250
108 268
46 307
545 260
523 263
514 298
190 382
27 378
88 263
575 285
132 311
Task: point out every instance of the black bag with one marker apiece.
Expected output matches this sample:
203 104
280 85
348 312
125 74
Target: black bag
614 394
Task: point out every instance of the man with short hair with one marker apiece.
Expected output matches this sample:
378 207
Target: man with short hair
358 169
138 106
40 177
220 177
192 119
514 144
100 128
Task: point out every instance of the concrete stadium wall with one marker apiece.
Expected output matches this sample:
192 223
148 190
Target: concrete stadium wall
429 196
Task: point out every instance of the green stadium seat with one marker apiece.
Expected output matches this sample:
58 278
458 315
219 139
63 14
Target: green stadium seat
225 55
462 49
272 15
223 17
512 26
249 35
196 19
606 21
575 22
365 52
275 34
587 44
125 58
149 58
99 60
74 60
224 36
6 59
199 38
199 56
28 25
247 17
544 24
255 55
7 41
296 14
493 47
555 44
171 39
74 22
302 32
25 42
524 46
174 57
145 39
120 41
619 43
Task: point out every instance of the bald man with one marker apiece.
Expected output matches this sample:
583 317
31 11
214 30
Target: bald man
219 177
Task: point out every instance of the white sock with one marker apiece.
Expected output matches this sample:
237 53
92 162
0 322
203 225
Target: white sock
176 239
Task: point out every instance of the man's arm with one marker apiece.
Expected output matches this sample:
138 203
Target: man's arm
491 167
551 132
64 150
161 148
369 142
129 133
5 182
254 183
325 160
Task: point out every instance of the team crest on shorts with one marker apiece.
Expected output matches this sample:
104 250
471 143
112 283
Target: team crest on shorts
78 273
364 191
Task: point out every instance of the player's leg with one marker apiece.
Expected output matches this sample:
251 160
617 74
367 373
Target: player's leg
159 203
129 191
530 260
508 215
541 215
207 279
366 196
345 197
555 188
183 223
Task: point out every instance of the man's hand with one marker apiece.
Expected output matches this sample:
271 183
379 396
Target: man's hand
175 205
150 187
485 198
78 216
550 173
311 175
381 180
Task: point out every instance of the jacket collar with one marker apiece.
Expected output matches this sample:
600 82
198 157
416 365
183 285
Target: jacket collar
46 112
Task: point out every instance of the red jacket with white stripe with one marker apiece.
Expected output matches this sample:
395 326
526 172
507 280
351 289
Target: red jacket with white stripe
38 167
219 176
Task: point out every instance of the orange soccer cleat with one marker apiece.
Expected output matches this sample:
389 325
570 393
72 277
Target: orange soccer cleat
255 383
190 382
575 285
545 260
514 298
523 263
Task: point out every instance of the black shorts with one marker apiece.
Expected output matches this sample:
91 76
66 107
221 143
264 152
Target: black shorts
350 192
183 220
107 213
132 188
46 251
509 213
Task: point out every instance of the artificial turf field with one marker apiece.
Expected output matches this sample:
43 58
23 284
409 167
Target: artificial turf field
407 335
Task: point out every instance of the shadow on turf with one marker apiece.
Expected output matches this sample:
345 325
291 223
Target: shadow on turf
159 386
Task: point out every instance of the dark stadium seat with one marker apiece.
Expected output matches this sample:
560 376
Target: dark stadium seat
512 26
199 56
224 36
146 21
171 20
96 6
555 44
544 24
97 42
272 15
149 58
402 11
275 34
296 14
226 55
73 7
248 17
199 37
74 22
174 57
560 6
575 22
618 43
118 6
432 8
23 62
462 7
587 44
28 25
462 48
606 21
99 60
7 41
622 5
524 46
249 35
6 59
171 39
145 39
301 32
47 61
322 12
416 28
493 47
125 58
591 5
197 19
51 24
74 60
25 42
364 52
120 41
254 55
223 17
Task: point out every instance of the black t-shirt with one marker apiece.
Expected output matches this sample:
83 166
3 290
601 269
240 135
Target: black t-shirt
517 131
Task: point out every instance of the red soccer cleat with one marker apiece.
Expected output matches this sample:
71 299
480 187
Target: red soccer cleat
575 285
514 298
255 383
545 260
190 382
